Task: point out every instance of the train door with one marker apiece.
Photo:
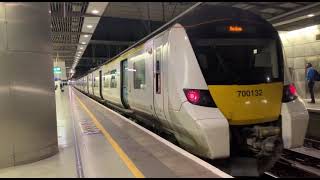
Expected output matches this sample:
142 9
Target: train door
100 83
87 83
158 78
124 83
92 83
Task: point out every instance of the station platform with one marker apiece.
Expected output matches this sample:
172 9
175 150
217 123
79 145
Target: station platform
95 141
312 107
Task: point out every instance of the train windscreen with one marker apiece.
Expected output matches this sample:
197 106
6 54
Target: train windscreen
234 46
237 61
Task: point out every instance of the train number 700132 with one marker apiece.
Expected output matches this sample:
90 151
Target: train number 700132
246 93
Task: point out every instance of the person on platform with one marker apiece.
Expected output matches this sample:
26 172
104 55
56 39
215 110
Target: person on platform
311 73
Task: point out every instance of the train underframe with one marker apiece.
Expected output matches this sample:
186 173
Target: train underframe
262 142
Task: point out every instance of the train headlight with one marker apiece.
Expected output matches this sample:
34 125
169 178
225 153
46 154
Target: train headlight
289 93
199 97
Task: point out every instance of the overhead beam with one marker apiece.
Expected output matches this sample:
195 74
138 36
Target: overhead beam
98 42
69 33
65 44
295 20
294 11
299 24
90 58
85 58
63 51
116 43
72 14
269 5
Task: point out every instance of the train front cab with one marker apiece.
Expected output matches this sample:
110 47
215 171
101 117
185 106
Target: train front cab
254 107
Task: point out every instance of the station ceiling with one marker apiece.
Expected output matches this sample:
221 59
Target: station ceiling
121 24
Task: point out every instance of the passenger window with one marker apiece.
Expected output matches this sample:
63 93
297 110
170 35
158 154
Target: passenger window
139 74
96 81
106 80
113 79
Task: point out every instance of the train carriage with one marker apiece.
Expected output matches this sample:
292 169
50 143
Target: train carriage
215 78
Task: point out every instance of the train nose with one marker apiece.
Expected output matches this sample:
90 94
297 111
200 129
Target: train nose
248 104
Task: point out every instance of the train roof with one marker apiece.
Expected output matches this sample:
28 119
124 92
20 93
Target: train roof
194 16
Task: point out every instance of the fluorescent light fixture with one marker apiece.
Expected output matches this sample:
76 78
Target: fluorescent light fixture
310 15
81 48
83 42
86 36
89 26
95 11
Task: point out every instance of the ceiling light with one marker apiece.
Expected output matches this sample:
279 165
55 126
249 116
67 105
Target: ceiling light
81 48
95 11
310 15
89 26
50 11
83 43
86 35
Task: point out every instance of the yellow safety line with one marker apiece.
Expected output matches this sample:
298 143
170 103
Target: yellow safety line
131 166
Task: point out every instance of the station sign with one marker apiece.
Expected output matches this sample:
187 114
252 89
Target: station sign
57 70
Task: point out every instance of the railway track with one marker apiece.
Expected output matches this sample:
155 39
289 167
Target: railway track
312 143
304 162
297 164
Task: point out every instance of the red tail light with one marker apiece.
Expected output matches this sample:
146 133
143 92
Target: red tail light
199 97
289 93
193 96
292 89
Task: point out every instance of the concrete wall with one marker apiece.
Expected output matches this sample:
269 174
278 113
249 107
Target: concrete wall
300 47
28 130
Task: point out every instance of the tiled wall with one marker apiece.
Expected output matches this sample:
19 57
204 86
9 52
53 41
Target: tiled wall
300 47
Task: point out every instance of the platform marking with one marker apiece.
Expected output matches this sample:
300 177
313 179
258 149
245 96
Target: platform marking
131 166
169 144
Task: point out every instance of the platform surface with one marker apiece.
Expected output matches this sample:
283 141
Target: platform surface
95 141
312 107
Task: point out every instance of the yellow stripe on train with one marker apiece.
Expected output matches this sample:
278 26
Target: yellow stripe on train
248 104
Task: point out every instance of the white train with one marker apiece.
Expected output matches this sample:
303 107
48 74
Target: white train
214 78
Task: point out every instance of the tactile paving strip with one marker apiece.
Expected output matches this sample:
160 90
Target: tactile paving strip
88 127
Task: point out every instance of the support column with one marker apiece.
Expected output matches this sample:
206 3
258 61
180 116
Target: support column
28 130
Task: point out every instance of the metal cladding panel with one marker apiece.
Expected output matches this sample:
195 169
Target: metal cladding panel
28 130
6 150
2 27
32 97
27 26
7 125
